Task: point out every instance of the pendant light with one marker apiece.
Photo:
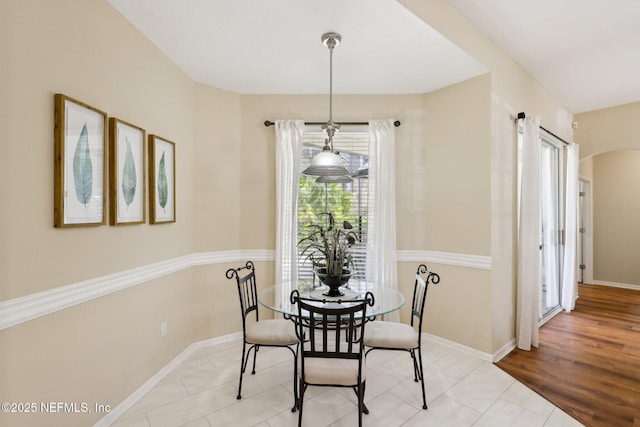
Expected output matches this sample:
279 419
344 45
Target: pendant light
328 163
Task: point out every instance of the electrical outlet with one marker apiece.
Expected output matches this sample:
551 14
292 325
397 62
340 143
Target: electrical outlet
163 329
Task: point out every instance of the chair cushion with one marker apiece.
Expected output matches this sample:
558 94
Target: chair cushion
390 335
271 332
326 371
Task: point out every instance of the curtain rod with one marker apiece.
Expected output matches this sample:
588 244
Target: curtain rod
522 115
397 123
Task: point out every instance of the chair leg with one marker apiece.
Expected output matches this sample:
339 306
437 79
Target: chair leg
361 407
364 406
424 396
295 379
255 354
416 371
302 387
356 390
242 368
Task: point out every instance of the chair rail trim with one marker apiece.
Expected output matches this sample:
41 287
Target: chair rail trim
19 310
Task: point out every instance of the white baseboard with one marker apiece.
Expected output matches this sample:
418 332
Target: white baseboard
506 349
463 348
616 285
20 310
492 358
133 398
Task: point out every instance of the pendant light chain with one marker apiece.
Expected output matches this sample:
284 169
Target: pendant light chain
331 84
331 127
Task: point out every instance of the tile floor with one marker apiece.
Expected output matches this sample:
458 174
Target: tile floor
462 390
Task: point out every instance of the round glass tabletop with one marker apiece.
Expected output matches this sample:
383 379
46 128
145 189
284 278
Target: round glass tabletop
278 297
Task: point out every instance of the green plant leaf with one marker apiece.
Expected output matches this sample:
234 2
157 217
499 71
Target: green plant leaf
129 179
163 190
328 245
82 168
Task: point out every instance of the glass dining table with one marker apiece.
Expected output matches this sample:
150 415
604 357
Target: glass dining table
278 297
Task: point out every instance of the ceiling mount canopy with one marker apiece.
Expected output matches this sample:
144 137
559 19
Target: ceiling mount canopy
327 162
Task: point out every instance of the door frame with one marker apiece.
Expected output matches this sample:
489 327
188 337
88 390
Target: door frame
585 215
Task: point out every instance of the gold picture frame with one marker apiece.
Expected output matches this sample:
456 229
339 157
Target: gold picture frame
127 173
162 180
79 163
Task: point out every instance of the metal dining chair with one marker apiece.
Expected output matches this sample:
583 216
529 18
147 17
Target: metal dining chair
258 333
331 351
383 335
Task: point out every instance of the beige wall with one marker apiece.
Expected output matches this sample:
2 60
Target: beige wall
96 352
102 350
455 167
604 135
85 50
455 192
616 213
608 129
217 164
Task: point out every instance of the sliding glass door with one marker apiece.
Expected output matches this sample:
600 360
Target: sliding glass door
551 165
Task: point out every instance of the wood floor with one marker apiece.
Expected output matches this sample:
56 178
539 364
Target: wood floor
588 361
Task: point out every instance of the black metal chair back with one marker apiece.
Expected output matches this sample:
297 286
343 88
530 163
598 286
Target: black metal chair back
420 287
247 290
331 330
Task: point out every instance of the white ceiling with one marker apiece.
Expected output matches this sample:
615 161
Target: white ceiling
585 52
259 46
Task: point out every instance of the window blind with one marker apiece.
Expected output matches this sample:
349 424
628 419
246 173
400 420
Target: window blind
347 201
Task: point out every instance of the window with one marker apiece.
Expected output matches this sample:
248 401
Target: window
347 202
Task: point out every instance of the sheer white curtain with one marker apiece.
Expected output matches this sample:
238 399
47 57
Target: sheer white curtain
528 282
571 229
289 134
381 234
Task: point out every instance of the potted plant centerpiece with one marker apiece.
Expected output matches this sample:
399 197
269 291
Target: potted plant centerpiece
328 246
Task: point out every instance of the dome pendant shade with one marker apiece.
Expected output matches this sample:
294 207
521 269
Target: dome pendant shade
326 163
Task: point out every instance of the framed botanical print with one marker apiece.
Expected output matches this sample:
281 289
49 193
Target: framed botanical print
127 173
162 180
79 163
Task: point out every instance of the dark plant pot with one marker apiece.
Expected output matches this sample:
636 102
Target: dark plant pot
333 282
